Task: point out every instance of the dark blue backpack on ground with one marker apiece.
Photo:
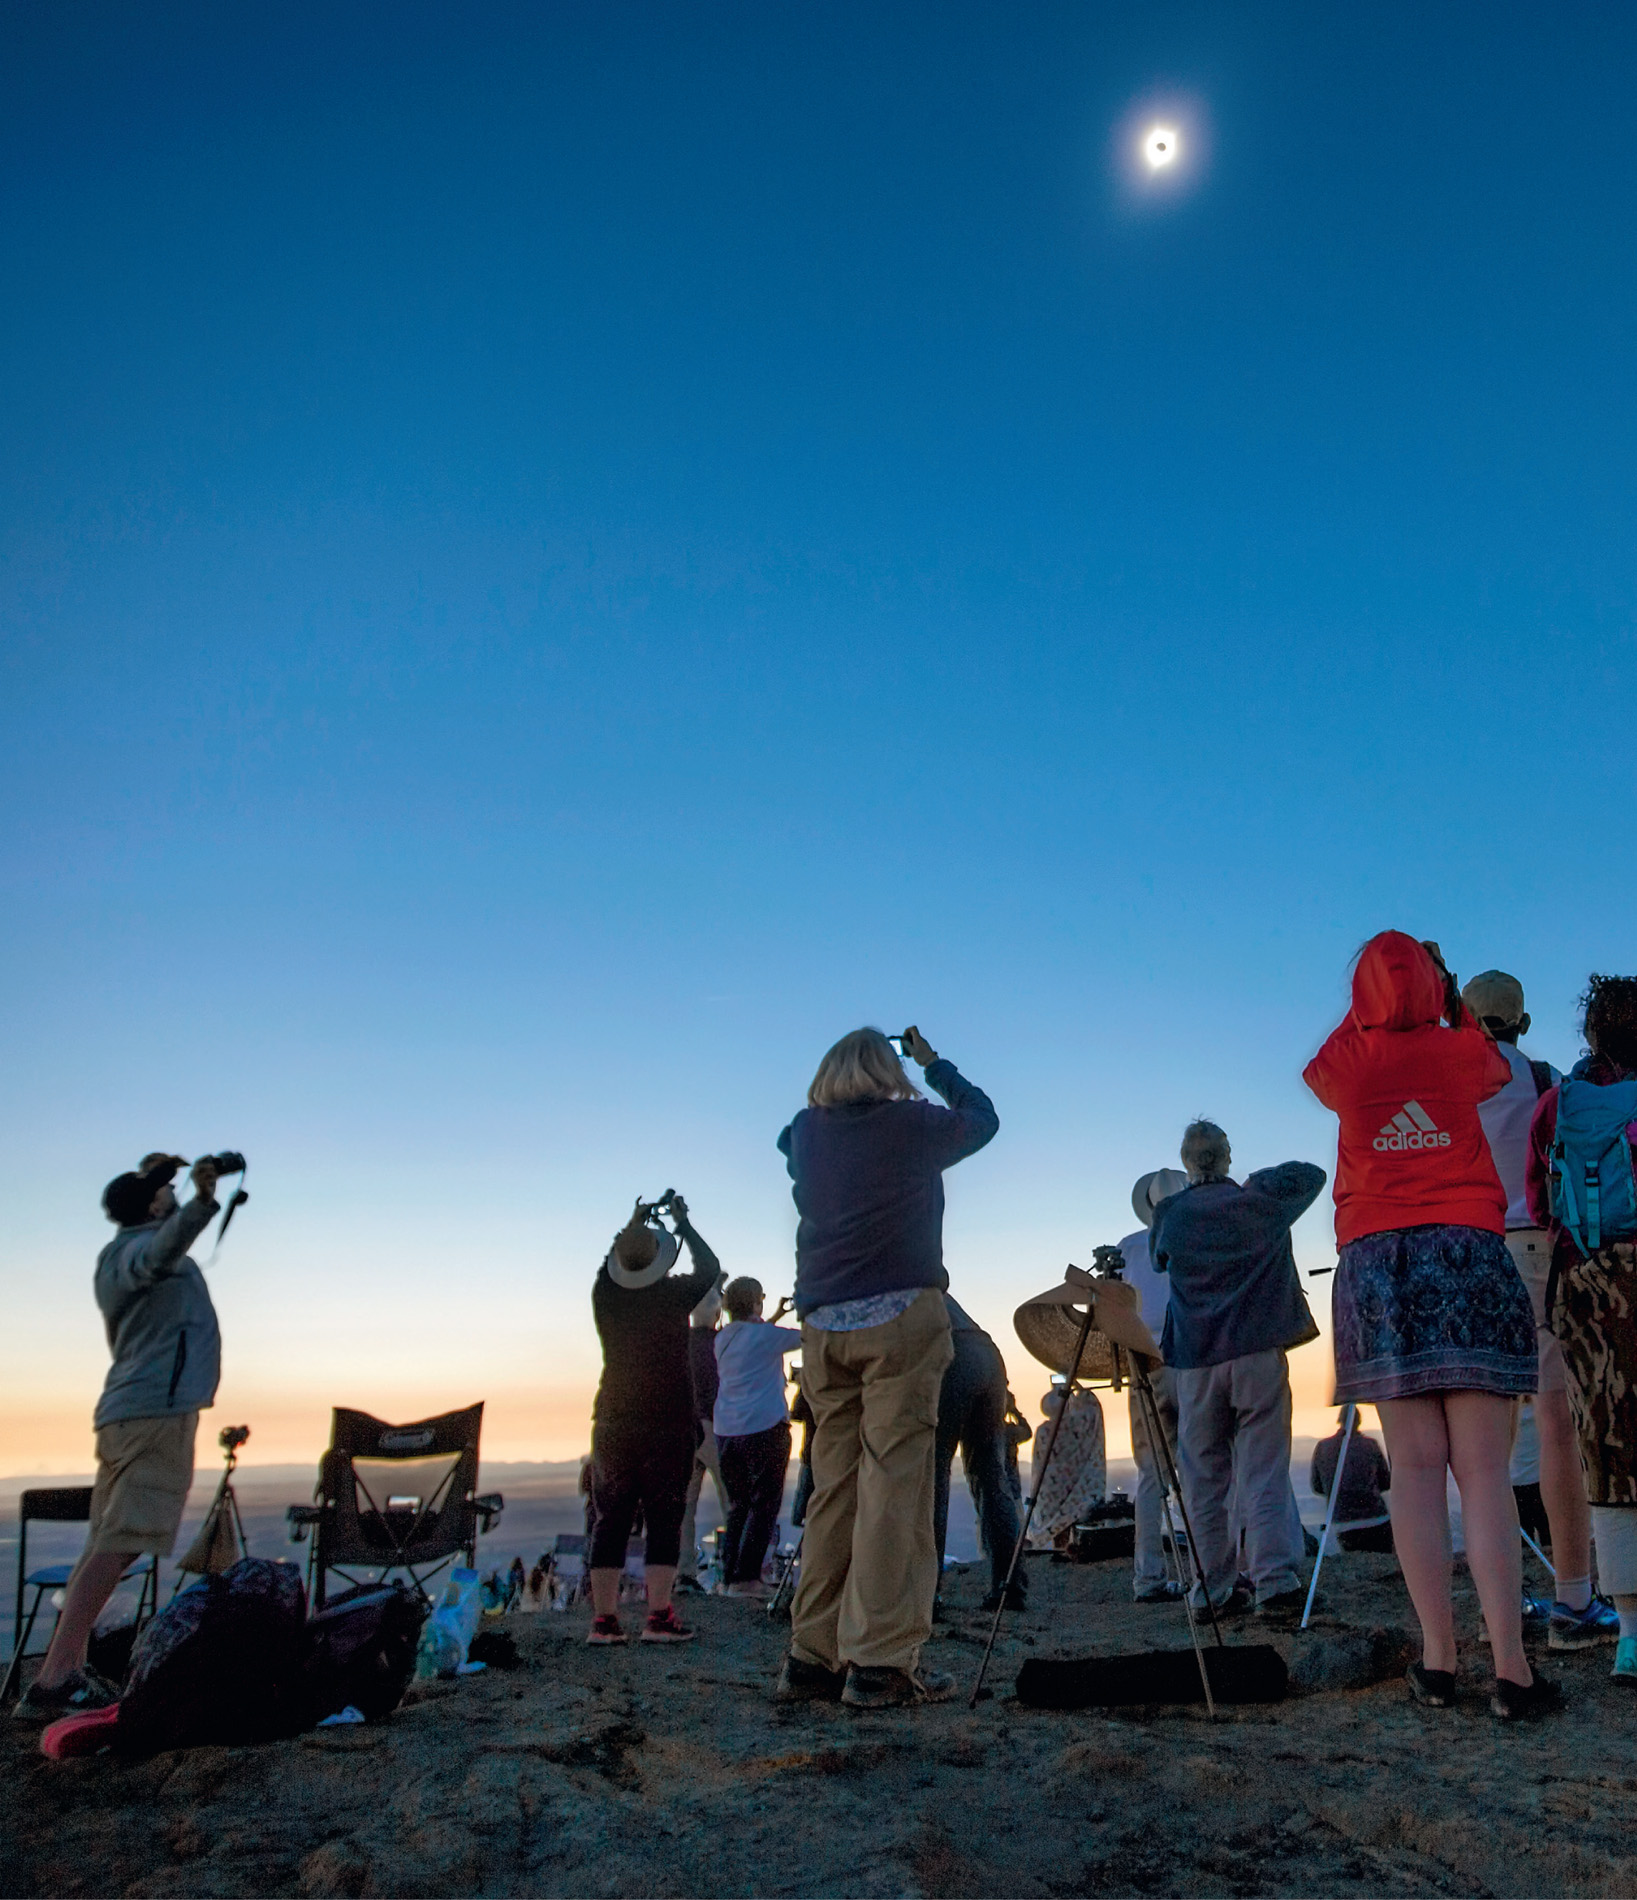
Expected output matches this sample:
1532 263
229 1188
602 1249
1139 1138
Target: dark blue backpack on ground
221 1663
1594 1195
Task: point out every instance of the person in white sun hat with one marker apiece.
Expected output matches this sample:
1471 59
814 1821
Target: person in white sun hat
643 1433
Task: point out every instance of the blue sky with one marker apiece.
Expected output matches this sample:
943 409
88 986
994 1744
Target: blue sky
554 560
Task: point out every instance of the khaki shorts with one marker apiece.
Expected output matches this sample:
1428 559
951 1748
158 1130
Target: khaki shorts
1531 1252
144 1472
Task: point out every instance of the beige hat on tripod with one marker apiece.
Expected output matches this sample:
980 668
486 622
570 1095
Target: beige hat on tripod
1049 1325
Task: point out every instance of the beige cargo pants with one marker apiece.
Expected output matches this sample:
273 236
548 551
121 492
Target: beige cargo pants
869 1563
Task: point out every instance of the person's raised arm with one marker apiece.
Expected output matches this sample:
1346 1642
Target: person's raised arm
707 1269
971 1122
162 1253
1294 1185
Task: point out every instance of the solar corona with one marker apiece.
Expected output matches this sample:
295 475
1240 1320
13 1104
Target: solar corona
1159 147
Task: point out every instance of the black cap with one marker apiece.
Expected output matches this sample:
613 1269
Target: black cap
127 1200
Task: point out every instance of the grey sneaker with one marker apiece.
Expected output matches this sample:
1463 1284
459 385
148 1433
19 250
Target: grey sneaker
76 1694
886 1688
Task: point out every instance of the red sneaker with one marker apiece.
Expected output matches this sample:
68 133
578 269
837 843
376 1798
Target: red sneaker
665 1626
606 1629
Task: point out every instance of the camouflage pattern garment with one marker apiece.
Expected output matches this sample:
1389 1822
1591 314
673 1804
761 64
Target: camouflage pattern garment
1592 1308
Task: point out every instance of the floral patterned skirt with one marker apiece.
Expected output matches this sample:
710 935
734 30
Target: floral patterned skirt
1592 1308
1431 1309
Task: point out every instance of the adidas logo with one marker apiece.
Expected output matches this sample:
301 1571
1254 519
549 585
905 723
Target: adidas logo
1411 1127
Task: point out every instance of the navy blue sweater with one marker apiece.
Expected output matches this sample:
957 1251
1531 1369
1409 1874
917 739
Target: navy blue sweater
869 1188
1227 1249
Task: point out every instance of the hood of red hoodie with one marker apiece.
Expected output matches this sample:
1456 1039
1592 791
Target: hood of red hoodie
1396 984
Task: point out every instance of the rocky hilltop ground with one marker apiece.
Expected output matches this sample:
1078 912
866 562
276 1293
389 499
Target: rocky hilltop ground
656 1770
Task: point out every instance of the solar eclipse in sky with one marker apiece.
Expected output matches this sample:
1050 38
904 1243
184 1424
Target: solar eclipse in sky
1160 147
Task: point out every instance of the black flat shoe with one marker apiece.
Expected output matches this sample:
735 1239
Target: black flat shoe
1515 1701
1432 1688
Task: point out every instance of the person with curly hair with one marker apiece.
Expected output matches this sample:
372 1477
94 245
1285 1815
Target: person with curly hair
1582 1133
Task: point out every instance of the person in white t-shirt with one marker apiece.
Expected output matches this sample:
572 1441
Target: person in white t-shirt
1578 1618
1150 1582
752 1426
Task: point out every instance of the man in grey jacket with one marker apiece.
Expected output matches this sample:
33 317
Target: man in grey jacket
166 1350
1236 1308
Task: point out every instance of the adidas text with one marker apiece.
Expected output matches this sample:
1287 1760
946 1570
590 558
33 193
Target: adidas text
1411 1127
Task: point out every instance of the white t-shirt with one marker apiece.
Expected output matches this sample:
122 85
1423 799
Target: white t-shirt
750 1365
1153 1289
1506 1118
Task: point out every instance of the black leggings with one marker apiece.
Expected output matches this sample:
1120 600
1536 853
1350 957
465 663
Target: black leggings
647 1466
753 1469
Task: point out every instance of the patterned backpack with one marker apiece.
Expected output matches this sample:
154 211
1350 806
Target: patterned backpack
1594 1196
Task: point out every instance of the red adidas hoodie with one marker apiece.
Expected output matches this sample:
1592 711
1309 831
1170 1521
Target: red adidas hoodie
1411 1151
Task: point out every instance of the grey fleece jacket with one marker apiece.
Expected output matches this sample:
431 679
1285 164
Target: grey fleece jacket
161 1325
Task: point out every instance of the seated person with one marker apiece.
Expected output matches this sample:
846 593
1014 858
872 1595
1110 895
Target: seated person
1361 1521
1077 1477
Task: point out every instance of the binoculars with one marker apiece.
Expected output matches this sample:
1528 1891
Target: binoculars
227 1162
649 1209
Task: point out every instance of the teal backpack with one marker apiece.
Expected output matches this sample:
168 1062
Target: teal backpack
1594 1196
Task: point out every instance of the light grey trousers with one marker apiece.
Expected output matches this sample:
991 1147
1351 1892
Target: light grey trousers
1148 1567
1233 1446
704 1459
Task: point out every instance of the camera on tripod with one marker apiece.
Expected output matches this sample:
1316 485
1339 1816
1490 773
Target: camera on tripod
231 1437
1107 1263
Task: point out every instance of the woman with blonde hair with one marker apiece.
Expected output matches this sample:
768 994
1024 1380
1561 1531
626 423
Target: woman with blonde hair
866 1157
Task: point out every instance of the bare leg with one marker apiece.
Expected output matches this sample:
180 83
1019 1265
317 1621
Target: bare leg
605 1592
95 1579
1563 1486
1418 1450
659 1578
1479 1427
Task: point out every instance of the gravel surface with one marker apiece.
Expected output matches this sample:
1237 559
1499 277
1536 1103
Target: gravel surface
655 1770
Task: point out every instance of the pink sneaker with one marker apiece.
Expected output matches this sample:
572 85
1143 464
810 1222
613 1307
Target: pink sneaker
606 1629
665 1626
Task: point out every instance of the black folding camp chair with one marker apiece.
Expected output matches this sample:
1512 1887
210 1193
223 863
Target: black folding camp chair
394 1497
65 1504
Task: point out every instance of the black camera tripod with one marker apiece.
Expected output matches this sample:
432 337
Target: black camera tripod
221 1541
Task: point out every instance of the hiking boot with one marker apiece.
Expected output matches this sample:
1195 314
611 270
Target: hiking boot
77 1694
1167 1592
1598 1623
1511 1701
665 1626
1625 1662
887 1688
808 1682
1016 1599
688 1587
606 1629
1432 1688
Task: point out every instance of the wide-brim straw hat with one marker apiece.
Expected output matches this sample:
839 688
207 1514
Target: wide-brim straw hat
1049 1325
664 1259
